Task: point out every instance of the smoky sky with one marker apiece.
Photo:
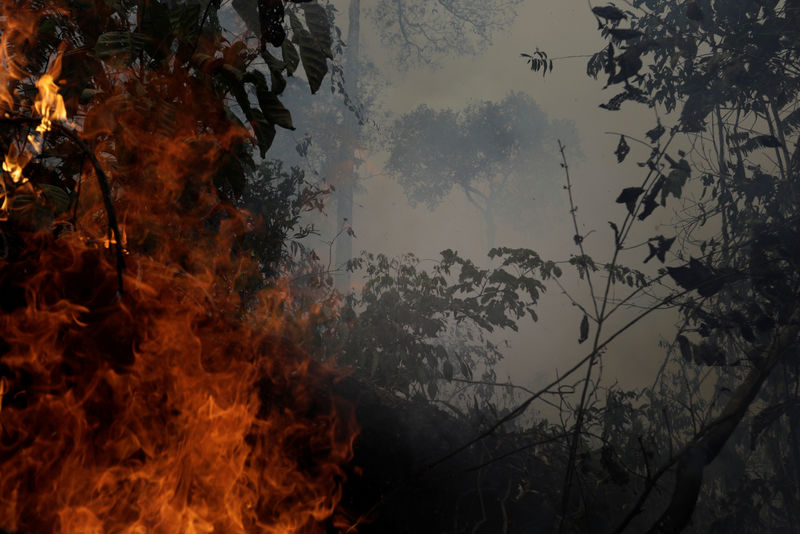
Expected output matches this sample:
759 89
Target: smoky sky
384 221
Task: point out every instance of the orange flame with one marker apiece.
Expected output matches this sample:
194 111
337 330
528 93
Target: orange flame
177 407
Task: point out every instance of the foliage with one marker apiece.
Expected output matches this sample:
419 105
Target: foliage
499 154
412 330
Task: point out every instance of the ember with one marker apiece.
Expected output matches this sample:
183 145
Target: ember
174 405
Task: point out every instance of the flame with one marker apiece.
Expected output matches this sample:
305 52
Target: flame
177 407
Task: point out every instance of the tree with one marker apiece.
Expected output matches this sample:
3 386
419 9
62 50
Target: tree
728 64
501 155
420 33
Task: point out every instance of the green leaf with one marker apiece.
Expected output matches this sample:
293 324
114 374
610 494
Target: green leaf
319 26
291 58
312 56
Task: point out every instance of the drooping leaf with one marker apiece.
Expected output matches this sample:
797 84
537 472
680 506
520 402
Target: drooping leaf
291 58
655 134
270 17
622 149
584 329
648 206
629 63
629 196
697 276
319 26
707 353
312 56
769 141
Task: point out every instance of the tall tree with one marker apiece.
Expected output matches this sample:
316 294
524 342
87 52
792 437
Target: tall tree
419 33
727 71
501 155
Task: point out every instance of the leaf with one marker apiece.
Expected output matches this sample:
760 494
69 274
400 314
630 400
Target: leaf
57 197
660 249
270 18
648 206
584 329
625 34
629 196
696 276
656 133
769 141
685 347
609 12
763 419
319 26
311 55
291 58
622 149
447 370
248 12
629 63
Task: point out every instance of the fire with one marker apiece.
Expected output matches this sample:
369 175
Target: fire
176 406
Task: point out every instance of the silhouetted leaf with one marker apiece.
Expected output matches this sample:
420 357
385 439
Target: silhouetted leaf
622 149
656 133
709 354
270 17
648 206
629 196
696 276
609 12
660 249
769 141
584 329
685 347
